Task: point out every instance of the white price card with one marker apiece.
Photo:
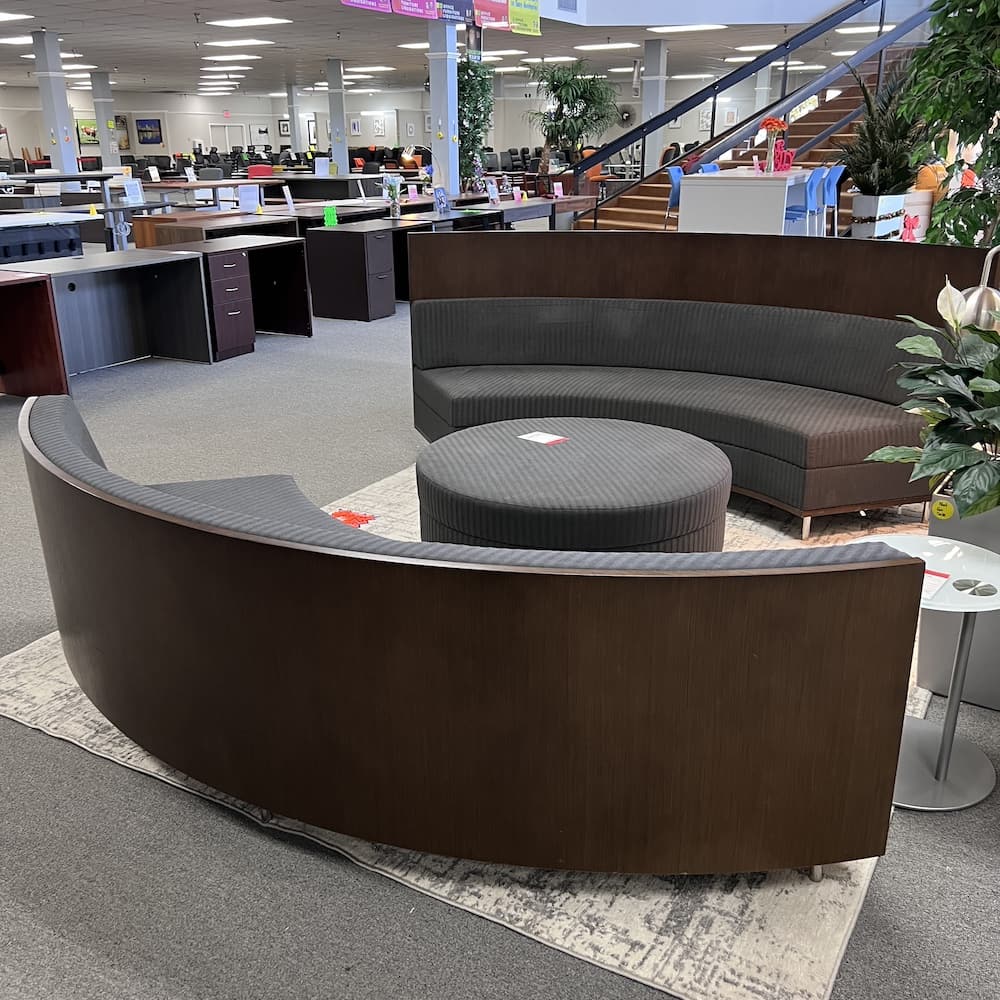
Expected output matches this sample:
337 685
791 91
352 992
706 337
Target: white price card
933 582
540 437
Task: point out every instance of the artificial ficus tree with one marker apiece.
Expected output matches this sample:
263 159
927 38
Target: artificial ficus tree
475 114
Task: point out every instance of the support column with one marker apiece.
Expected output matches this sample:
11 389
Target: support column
654 96
338 115
296 138
60 141
762 89
443 59
104 112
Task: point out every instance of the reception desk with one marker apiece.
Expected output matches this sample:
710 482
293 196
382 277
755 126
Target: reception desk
739 201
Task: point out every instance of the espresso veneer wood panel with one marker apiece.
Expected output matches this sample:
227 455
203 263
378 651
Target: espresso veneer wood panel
31 359
861 277
592 720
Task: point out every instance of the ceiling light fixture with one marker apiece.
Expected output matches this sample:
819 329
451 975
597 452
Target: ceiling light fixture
414 45
606 46
222 69
249 22
801 68
232 43
622 69
739 59
16 17
550 59
79 65
864 29
234 58
510 69
357 76
370 69
675 29
756 48
485 58
508 52
277 93
16 40
693 76
845 52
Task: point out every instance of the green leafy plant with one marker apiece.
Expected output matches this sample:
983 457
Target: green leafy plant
882 158
957 392
580 106
955 85
475 109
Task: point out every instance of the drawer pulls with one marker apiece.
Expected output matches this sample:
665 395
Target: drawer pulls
236 313
236 289
230 265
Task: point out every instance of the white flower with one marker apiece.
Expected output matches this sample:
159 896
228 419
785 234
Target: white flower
951 305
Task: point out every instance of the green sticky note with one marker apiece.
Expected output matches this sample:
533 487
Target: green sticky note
330 215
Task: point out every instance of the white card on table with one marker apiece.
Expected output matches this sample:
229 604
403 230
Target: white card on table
540 437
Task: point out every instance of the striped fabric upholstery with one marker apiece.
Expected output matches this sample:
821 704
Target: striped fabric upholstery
54 427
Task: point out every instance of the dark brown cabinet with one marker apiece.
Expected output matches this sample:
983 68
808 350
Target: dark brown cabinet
230 303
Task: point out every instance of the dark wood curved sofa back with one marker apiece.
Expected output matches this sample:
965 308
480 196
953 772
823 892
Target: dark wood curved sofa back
635 721
855 355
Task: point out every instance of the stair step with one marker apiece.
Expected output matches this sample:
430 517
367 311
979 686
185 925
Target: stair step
651 216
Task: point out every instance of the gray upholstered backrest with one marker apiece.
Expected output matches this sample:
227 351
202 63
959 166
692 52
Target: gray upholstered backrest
54 426
849 354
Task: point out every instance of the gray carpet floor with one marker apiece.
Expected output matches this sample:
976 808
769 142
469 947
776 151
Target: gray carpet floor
113 885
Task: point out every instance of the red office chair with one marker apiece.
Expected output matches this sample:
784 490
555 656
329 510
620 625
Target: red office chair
260 170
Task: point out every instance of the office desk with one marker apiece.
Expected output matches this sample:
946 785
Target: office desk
739 201
31 360
309 215
487 217
425 202
569 206
117 219
120 306
529 208
193 227
168 188
27 202
28 236
254 284
336 186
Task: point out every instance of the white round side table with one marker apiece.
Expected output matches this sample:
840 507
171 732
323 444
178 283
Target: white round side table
939 771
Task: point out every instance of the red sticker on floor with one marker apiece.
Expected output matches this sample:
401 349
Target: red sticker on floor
352 518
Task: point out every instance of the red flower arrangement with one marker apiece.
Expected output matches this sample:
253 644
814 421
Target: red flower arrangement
774 125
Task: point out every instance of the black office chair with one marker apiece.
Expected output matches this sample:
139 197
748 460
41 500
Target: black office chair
492 162
533 164
213 158
525 155
538 151
688 146
506 162
372 167
515 159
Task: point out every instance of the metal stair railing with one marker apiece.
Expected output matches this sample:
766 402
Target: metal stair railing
713 148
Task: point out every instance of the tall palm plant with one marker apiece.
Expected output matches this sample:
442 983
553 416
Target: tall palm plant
580 106
882 159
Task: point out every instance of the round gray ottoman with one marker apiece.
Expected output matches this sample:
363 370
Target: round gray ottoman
603 485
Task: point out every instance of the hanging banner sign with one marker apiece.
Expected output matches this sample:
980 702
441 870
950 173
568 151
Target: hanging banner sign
459 11
524 18
474 42
416 8
380 6
492 14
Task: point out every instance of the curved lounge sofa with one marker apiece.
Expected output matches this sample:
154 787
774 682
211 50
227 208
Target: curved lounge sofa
796 398
557 709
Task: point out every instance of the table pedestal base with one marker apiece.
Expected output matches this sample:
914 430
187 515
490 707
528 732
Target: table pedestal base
971 776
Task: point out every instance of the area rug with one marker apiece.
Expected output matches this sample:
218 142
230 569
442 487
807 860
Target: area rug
759 936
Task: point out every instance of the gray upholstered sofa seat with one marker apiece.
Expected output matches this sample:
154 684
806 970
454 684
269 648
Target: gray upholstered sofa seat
796 399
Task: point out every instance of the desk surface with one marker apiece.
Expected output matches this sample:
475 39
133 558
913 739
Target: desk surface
116 260
118 206
203 185
378 225
456 215
20 277
227 244
84 175
316 210
236 221
29 219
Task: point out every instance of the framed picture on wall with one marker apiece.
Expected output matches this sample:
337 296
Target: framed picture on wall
378 126
427 123
284 127
705 120
311 127
732 117
121 133
411 130
86 132
355 126
148 131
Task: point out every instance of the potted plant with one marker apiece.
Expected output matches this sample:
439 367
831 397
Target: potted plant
475 110
881 158
954 85
956 389
579 106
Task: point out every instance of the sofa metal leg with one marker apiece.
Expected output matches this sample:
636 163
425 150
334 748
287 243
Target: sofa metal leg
806 528
816 873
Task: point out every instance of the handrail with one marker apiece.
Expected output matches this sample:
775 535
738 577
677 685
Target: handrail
714 147
738 75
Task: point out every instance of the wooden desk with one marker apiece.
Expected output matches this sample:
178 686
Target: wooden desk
168 188
119 306
334 187
459 219
254 284
192 227
31 359
309 215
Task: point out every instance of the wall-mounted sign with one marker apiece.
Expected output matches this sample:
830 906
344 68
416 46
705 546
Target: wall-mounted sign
459 11
381 6
524 17
492 14
416 8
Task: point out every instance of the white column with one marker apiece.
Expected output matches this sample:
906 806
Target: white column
60 141
296 138
338 115
104 112
654 96
443 59
762 89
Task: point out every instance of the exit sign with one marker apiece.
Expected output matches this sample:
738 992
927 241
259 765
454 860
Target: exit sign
227 114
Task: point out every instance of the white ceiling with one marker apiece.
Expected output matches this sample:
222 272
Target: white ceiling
151 46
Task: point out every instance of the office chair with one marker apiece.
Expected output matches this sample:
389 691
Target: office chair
260 170
210 174
515 159
537 151
688 146
372 167
213 156
831 197
506 163
525 154
709 168
676 175
812 210
492 161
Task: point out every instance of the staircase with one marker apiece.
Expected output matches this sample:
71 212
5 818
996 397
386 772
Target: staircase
644 207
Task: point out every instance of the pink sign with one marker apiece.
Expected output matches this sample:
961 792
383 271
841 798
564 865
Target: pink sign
416 8
382 6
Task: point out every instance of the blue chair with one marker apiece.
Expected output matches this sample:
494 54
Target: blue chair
812 209
831 197
709 168
676 175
